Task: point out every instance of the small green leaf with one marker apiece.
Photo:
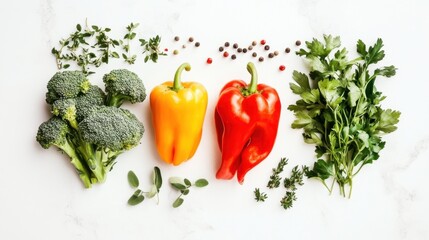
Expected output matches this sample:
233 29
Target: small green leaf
187 182
66 66
178 186
178 202
157 178
133 179
136 198
185 192
78 27
201 182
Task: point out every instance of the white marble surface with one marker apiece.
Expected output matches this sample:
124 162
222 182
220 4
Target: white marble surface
42 198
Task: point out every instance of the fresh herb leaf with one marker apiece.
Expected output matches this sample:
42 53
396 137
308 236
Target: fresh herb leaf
201 182
275 179
133 179
287 201
260 196
178 202
157 178
136 198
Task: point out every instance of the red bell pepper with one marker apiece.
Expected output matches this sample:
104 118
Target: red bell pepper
246 118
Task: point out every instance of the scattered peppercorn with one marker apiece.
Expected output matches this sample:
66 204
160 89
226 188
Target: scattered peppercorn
209 61
267 47
239 50
235 45
287 50
233 57
225 54
165 49
261 59
263 42
254 54
244 50
220 49
175 52
282 67
197 44
191 39
270 55
298 42
183 46
276 53
250 47
176 38
226 44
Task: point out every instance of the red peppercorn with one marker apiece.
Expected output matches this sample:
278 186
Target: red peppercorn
166 50
209 61
282 67
263 42
225 54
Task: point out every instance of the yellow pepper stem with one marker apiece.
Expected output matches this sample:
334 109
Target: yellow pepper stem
177 85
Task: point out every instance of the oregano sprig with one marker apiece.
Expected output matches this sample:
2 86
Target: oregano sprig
275 178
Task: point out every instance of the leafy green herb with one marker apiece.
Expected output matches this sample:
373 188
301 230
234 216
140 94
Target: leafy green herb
125 43
296 178
288 199
133 180
151 48
138 195
136 198
91 45
340 110
183 186
275 178
260 196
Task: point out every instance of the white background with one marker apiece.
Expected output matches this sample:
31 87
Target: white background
41 197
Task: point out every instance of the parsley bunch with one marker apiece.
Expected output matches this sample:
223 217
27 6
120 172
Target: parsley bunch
339 109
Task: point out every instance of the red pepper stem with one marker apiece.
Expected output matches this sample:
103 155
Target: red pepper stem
177 85
253 86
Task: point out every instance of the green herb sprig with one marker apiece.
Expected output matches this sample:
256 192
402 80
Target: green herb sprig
91 46
275 178
260 196
339 109
125 43
183 185
290 183
139 195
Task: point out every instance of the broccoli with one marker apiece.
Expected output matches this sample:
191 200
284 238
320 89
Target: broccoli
66 84
56 132
86 102
86 127
123 85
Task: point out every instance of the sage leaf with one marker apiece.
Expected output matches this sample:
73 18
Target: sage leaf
136 198
178 202
201 182
132 179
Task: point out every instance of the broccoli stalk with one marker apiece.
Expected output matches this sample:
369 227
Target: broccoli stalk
54 133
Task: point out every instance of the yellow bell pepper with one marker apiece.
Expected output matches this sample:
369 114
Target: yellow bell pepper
178 111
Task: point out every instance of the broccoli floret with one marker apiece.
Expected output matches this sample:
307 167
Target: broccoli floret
113 128
56 132
85 103
123 85
66 109
66 84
